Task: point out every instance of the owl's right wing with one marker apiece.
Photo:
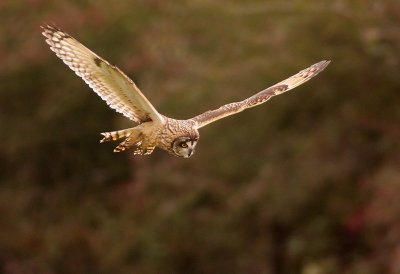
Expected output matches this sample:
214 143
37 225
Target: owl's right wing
109 82
261 97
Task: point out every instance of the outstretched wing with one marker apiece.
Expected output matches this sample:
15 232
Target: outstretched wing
261 97
109 82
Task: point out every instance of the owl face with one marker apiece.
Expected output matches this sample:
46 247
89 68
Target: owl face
183 146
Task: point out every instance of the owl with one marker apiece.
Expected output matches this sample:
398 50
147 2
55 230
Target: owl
178 137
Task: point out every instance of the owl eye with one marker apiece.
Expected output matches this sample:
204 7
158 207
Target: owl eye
184 145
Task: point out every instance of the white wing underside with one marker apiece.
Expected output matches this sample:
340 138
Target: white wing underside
109 82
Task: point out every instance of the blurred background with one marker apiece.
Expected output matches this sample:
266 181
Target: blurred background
306 183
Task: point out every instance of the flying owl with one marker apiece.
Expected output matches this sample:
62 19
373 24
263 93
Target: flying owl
178 137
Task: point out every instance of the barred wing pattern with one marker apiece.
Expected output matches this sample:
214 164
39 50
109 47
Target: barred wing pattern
109 82
261 97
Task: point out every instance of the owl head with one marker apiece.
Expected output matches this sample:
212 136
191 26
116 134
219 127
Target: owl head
184 146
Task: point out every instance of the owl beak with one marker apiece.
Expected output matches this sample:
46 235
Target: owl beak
190 153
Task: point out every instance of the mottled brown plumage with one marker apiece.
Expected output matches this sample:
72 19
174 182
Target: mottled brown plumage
178 137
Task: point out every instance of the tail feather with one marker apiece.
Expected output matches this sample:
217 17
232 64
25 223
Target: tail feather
115 135
133 137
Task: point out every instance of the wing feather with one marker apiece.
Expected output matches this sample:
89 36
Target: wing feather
261 97
108 81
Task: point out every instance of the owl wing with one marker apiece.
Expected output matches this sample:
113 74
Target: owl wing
108 81
261 97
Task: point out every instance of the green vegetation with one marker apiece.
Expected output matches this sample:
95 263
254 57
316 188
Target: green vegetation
307 183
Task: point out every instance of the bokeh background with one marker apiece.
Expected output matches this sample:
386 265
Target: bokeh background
306 183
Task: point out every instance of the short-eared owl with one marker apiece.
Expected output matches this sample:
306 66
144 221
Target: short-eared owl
178 137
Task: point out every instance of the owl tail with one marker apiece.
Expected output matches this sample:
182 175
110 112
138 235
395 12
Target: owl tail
115 135
132 135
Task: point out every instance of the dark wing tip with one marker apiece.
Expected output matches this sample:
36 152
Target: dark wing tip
49 30
50 27
53 34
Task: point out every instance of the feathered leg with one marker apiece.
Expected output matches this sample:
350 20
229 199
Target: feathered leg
134 138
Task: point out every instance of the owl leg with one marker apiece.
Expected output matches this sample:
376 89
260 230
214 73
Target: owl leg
134 139
143 149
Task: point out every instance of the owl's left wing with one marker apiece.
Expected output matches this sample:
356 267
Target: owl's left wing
109 82
261 97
